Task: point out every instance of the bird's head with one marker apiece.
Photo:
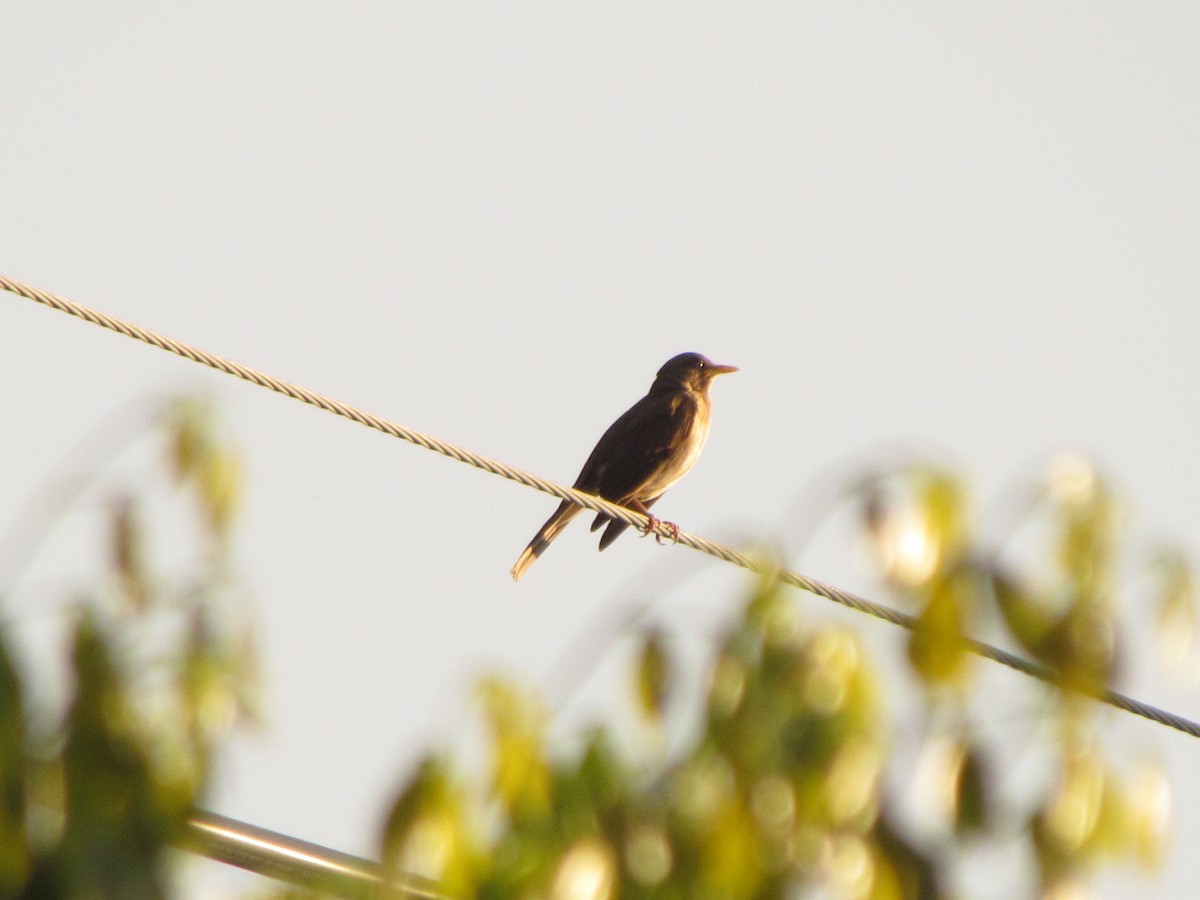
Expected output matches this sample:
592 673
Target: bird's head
690 370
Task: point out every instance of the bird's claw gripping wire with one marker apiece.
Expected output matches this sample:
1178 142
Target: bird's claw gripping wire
674 533
652 526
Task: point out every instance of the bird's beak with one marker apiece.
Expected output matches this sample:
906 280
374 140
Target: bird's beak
721 370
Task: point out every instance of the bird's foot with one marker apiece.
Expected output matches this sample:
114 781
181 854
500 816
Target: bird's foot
651 528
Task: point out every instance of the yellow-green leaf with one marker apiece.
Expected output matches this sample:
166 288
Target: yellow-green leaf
653 675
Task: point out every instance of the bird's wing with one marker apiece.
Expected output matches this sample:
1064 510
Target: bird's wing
637 446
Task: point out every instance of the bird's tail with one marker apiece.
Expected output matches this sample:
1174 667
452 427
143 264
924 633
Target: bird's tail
556 523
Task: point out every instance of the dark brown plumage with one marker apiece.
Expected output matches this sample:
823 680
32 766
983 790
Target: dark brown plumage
643 453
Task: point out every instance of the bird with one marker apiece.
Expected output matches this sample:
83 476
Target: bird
648 449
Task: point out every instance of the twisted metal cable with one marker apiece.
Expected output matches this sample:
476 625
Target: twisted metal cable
588 501
300 863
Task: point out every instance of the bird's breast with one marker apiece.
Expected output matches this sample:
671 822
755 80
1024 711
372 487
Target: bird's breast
685 455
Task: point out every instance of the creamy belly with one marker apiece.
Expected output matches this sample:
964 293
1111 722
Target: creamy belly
669 475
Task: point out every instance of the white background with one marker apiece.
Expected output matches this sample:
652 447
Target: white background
973 228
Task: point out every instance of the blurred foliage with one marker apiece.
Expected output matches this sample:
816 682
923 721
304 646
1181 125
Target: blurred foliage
802 773
92 797
795 783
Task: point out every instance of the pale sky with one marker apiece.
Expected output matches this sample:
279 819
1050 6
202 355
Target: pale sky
973 229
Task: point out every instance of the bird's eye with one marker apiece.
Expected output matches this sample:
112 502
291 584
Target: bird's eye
700 364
